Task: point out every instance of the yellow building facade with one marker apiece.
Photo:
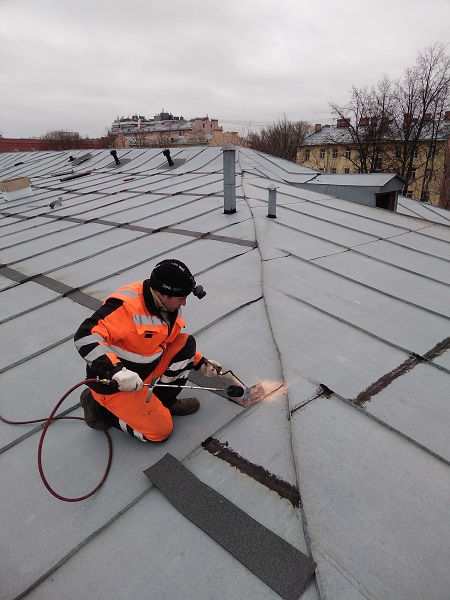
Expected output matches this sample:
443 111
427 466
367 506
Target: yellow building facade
331 149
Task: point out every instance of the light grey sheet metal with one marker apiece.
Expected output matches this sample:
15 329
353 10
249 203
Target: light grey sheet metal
10 226
324 349
23 298
109 262
324 230
81 206
34 399
185 208
444 359
374 504
76 251
189 183
229 284
365 223
35 231
149 207
384 316
284 568
30 333
379 214
408 206
51 242
278 240
399 282
417 408
422 242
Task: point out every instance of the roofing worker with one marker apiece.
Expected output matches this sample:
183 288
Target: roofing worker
134 336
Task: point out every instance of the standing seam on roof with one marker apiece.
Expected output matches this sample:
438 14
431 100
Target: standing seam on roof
300 508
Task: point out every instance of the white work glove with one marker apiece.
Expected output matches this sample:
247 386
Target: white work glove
128 381
211 368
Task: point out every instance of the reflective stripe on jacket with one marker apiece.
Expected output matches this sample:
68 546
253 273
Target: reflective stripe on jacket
129 331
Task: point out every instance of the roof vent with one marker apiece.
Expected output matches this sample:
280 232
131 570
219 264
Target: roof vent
166 153
115 157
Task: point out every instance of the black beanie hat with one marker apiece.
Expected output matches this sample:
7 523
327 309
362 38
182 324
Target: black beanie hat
172 278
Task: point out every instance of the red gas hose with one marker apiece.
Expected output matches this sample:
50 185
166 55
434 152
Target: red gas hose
48 421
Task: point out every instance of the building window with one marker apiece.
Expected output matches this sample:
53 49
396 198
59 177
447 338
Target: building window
415 152
307 154
412 174
335 153
333 170
398 153
428 174
347 171
322 153
347 154
378 164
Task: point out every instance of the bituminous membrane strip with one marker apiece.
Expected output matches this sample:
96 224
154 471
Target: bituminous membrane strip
281 566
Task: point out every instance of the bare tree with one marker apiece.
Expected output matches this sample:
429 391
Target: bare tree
109 140
60 139
389 123
280 139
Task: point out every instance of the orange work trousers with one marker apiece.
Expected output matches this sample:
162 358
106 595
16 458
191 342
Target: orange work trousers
152 420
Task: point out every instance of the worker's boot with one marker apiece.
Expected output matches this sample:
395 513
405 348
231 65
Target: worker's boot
90 413
184 406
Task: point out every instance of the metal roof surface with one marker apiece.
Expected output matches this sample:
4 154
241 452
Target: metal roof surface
355 179
347 305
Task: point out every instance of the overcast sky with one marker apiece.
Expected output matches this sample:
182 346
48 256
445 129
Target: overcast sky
78 64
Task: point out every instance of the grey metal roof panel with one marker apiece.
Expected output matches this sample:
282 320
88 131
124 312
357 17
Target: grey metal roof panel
362 307
111 261
409 285
423 210
368 492
50 242
408 406
78 250
354 179
326 348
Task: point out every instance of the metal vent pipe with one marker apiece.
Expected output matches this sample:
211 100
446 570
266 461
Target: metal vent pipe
272 212
229 179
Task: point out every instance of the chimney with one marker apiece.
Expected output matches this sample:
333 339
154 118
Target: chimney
317 127
447 114
363 121
427 117
343 123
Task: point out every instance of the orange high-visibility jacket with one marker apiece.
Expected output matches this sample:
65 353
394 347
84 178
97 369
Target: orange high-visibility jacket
127 331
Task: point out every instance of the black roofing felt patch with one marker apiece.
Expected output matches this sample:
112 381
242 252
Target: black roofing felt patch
281 566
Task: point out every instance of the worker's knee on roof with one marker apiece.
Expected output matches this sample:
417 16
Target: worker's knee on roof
164 431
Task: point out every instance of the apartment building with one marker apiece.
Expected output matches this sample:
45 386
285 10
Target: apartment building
166 129
349 148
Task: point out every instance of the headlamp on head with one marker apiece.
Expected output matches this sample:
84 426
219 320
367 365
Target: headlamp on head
199 292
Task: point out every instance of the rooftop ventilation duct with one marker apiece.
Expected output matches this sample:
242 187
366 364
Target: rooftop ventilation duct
166 153
115 157
229 179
